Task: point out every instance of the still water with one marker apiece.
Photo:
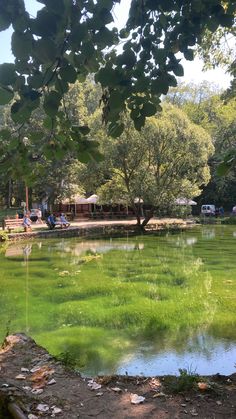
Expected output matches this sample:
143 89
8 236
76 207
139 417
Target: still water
138 305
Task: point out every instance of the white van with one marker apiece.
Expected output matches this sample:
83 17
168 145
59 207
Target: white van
208 209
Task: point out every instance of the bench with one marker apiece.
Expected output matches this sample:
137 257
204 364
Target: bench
58 224
12 223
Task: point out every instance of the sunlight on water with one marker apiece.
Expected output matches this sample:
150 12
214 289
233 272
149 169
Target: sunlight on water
140 305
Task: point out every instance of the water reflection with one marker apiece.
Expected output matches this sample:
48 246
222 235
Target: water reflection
208 233
76 249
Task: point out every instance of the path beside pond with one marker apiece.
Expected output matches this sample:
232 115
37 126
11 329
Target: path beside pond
35 385
84 228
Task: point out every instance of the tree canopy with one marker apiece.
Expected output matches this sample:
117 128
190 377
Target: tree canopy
166 160
68 39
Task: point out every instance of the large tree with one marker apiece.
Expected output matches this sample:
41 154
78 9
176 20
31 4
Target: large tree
206 107
166 160
68 39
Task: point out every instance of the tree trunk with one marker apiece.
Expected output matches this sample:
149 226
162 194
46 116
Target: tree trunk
8 197
148 215
137 212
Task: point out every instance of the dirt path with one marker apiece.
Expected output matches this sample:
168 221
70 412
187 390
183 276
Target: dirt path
35 385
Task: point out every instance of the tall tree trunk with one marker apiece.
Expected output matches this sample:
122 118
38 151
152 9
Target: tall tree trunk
9 194
137 212
148 215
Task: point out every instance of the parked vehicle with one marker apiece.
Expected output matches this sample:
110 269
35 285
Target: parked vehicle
208 210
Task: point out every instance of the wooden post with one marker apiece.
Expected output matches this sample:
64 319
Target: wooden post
27 198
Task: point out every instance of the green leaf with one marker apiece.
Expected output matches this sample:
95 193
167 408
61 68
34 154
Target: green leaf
20 112
116 100
189 54
45 50
36 81
124 33
78 33
139 122
5 20
212 24
148 109
5 96
178 70
223 168
128 58
88 49
107 76
5 134
52 103
160 86
45 24
47 123
226 20
85 130
115 129
68 74
22 22
61 86
7 74
172 80
21 44
57 7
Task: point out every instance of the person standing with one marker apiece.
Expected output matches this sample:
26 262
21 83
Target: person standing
221 211
39 215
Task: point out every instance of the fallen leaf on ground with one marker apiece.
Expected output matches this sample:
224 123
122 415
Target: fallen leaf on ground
24 369
56 410
219 403
93 385
136 399
34 369
37 391
116 389
42 407
27 388
20 377
31 416
39 384
203 386
99 394
43 372
159 395
193 412
155 383
106 379
52 381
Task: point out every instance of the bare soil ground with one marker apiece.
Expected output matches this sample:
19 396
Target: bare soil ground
35 385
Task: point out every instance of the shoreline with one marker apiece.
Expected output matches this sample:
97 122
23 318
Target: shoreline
34 384
101 227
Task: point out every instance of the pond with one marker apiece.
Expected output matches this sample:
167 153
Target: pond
143 305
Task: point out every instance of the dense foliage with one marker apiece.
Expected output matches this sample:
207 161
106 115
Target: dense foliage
206 107
68 39
166 160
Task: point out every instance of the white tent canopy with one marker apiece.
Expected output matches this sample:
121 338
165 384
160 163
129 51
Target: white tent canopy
76 199
80 200
93 199
185 201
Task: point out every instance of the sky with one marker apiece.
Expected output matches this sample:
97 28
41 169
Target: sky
192 70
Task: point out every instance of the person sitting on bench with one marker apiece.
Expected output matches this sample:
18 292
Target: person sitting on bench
64 221
27 222
51 221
